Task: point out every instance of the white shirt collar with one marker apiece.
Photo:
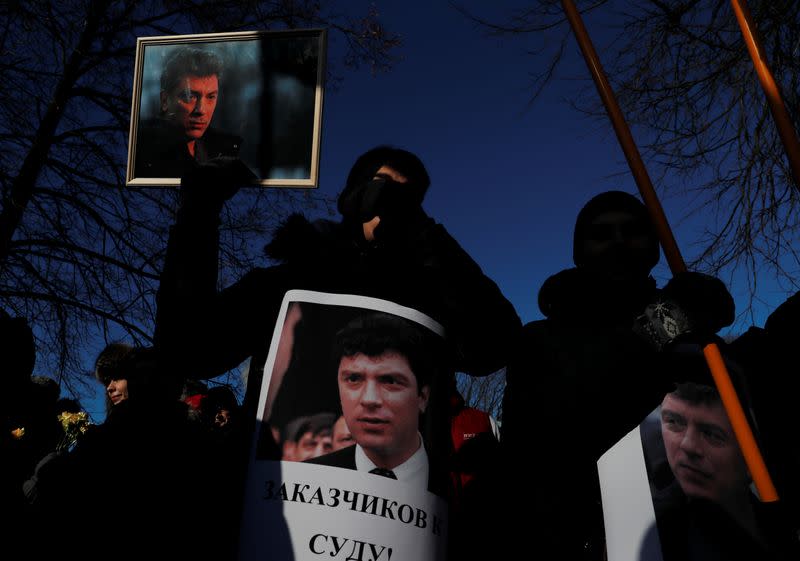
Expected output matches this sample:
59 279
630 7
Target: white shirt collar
413 471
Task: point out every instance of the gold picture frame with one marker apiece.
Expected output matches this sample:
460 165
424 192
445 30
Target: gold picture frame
255 95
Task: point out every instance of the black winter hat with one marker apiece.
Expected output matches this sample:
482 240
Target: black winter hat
611 201
314 424
108 365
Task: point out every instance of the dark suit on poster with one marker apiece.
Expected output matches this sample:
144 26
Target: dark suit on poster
346 458
161 149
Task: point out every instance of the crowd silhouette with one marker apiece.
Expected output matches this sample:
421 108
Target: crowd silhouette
162 475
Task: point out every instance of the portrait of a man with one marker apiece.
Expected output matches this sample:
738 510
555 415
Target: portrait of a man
251 95
699 482
342 438
182 135
384 377
353 401
701 449
308 437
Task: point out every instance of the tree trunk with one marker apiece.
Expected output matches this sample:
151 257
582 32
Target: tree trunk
23 185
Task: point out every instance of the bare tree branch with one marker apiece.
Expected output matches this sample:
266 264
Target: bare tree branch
688 89
80 253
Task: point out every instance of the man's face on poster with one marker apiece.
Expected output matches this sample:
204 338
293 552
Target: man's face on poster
191 104
381 403
342 437
702 450
312 445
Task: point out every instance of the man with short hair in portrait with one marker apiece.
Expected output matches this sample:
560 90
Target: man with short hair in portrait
384 376
713 513
701 448
182 136
313 438
342 438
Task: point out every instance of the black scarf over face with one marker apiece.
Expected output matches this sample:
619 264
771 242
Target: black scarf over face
365 197
378 197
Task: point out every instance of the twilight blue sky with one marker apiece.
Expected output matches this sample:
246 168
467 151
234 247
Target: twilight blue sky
508 177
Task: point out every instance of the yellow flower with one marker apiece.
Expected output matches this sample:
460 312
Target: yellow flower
73 421
18 433
74 425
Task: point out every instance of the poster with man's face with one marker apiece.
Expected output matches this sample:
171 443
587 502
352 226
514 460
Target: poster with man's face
256 96
677 487
348 460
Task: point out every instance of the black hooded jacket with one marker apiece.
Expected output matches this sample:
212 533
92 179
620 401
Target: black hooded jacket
209 332
428 271
579 381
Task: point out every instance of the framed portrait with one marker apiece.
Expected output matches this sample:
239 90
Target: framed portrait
256 96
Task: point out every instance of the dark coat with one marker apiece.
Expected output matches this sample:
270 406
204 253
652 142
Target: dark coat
161 149
344 458
148 473
699 530
578 382
770 358
430 273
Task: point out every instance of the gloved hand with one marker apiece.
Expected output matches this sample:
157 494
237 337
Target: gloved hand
691 307
402 217
704 298
206 187
361 203
399 206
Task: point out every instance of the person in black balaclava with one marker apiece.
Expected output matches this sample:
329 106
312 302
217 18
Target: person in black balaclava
385 246
614 236
376 190
582 378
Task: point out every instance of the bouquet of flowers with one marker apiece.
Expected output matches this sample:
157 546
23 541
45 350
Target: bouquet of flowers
75 425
